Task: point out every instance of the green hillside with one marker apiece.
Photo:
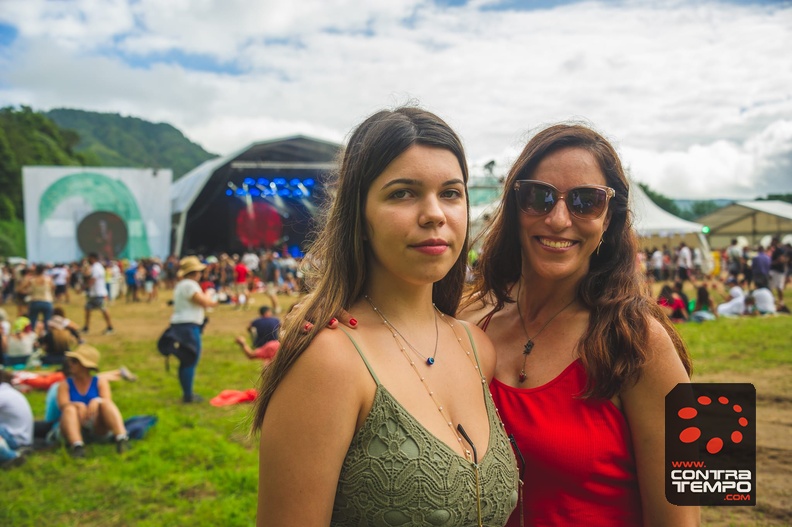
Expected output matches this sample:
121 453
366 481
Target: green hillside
130 142
29 138
77 138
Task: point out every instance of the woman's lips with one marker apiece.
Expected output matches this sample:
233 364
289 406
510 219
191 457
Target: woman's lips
433 250
431 247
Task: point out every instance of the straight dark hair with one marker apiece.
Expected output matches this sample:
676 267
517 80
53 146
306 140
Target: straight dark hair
336 262
614 347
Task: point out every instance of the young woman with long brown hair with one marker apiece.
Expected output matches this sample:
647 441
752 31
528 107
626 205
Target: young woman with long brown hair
396 426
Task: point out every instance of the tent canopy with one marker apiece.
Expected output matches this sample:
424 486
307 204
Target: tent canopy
752 219
651 220
206 215
275 153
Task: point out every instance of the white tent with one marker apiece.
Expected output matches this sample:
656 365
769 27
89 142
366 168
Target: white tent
650 220
657 227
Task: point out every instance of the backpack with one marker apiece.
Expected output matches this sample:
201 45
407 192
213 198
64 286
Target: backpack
176 342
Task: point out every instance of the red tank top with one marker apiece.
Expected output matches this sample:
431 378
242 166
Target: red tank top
580 465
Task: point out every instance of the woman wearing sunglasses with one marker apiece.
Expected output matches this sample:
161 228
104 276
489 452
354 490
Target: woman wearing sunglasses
394 426
584 357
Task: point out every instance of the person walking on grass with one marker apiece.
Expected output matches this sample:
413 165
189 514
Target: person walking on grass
96 293
41 290
241 273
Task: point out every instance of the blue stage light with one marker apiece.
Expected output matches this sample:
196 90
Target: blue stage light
279 181
309 182
284 192
249 181
298 193
229 192
294 182
240 192
255 192
263 181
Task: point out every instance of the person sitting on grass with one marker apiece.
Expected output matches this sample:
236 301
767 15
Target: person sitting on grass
16 424
264 331
86 404
21 343
704 308
672 304
764 301
61 335
735 305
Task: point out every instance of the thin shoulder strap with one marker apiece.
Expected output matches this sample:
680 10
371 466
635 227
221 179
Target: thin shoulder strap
484 322
473 345
360 352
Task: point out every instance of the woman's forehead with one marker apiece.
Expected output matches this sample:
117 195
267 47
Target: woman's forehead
569 167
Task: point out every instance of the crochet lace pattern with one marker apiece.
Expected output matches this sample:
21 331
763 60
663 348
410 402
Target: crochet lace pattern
396 473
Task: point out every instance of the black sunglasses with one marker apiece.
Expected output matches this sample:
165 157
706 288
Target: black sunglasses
587 202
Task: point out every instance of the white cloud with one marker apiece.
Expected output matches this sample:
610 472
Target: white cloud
721 168
697 96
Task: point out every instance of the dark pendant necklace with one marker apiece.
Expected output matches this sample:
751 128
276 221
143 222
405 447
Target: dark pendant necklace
529 344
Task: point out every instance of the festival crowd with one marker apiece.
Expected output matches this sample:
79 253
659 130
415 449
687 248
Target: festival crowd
453 385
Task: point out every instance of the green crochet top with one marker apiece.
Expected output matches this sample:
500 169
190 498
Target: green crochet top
397 473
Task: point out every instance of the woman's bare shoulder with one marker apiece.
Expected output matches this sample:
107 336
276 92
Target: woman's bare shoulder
475 310
331 360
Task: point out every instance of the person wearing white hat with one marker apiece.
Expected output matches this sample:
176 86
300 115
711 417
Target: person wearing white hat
189 303
86 403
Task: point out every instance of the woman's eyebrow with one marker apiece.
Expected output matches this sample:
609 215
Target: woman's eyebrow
419 182
402 181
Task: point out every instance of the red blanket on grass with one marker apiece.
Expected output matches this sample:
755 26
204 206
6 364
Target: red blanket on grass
43 381
229 397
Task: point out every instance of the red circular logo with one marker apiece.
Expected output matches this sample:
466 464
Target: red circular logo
714 444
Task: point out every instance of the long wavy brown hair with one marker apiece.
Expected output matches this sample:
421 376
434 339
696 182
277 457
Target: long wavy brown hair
614 348
337 272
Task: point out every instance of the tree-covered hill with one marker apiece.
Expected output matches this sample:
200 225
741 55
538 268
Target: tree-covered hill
130 142
79 138
30 138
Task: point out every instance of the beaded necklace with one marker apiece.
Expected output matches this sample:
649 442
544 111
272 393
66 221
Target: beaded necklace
429 360
459 431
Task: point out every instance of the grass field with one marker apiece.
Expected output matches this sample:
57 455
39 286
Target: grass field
197 467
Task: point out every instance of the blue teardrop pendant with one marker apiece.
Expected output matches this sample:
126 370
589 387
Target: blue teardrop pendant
430 361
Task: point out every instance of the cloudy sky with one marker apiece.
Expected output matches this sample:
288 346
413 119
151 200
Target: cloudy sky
696 95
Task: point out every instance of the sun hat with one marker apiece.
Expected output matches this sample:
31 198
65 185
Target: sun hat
189 264
87 355
20 324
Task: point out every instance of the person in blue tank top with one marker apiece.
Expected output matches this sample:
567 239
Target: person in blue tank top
86 404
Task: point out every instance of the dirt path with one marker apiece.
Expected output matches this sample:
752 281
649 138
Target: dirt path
773 456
